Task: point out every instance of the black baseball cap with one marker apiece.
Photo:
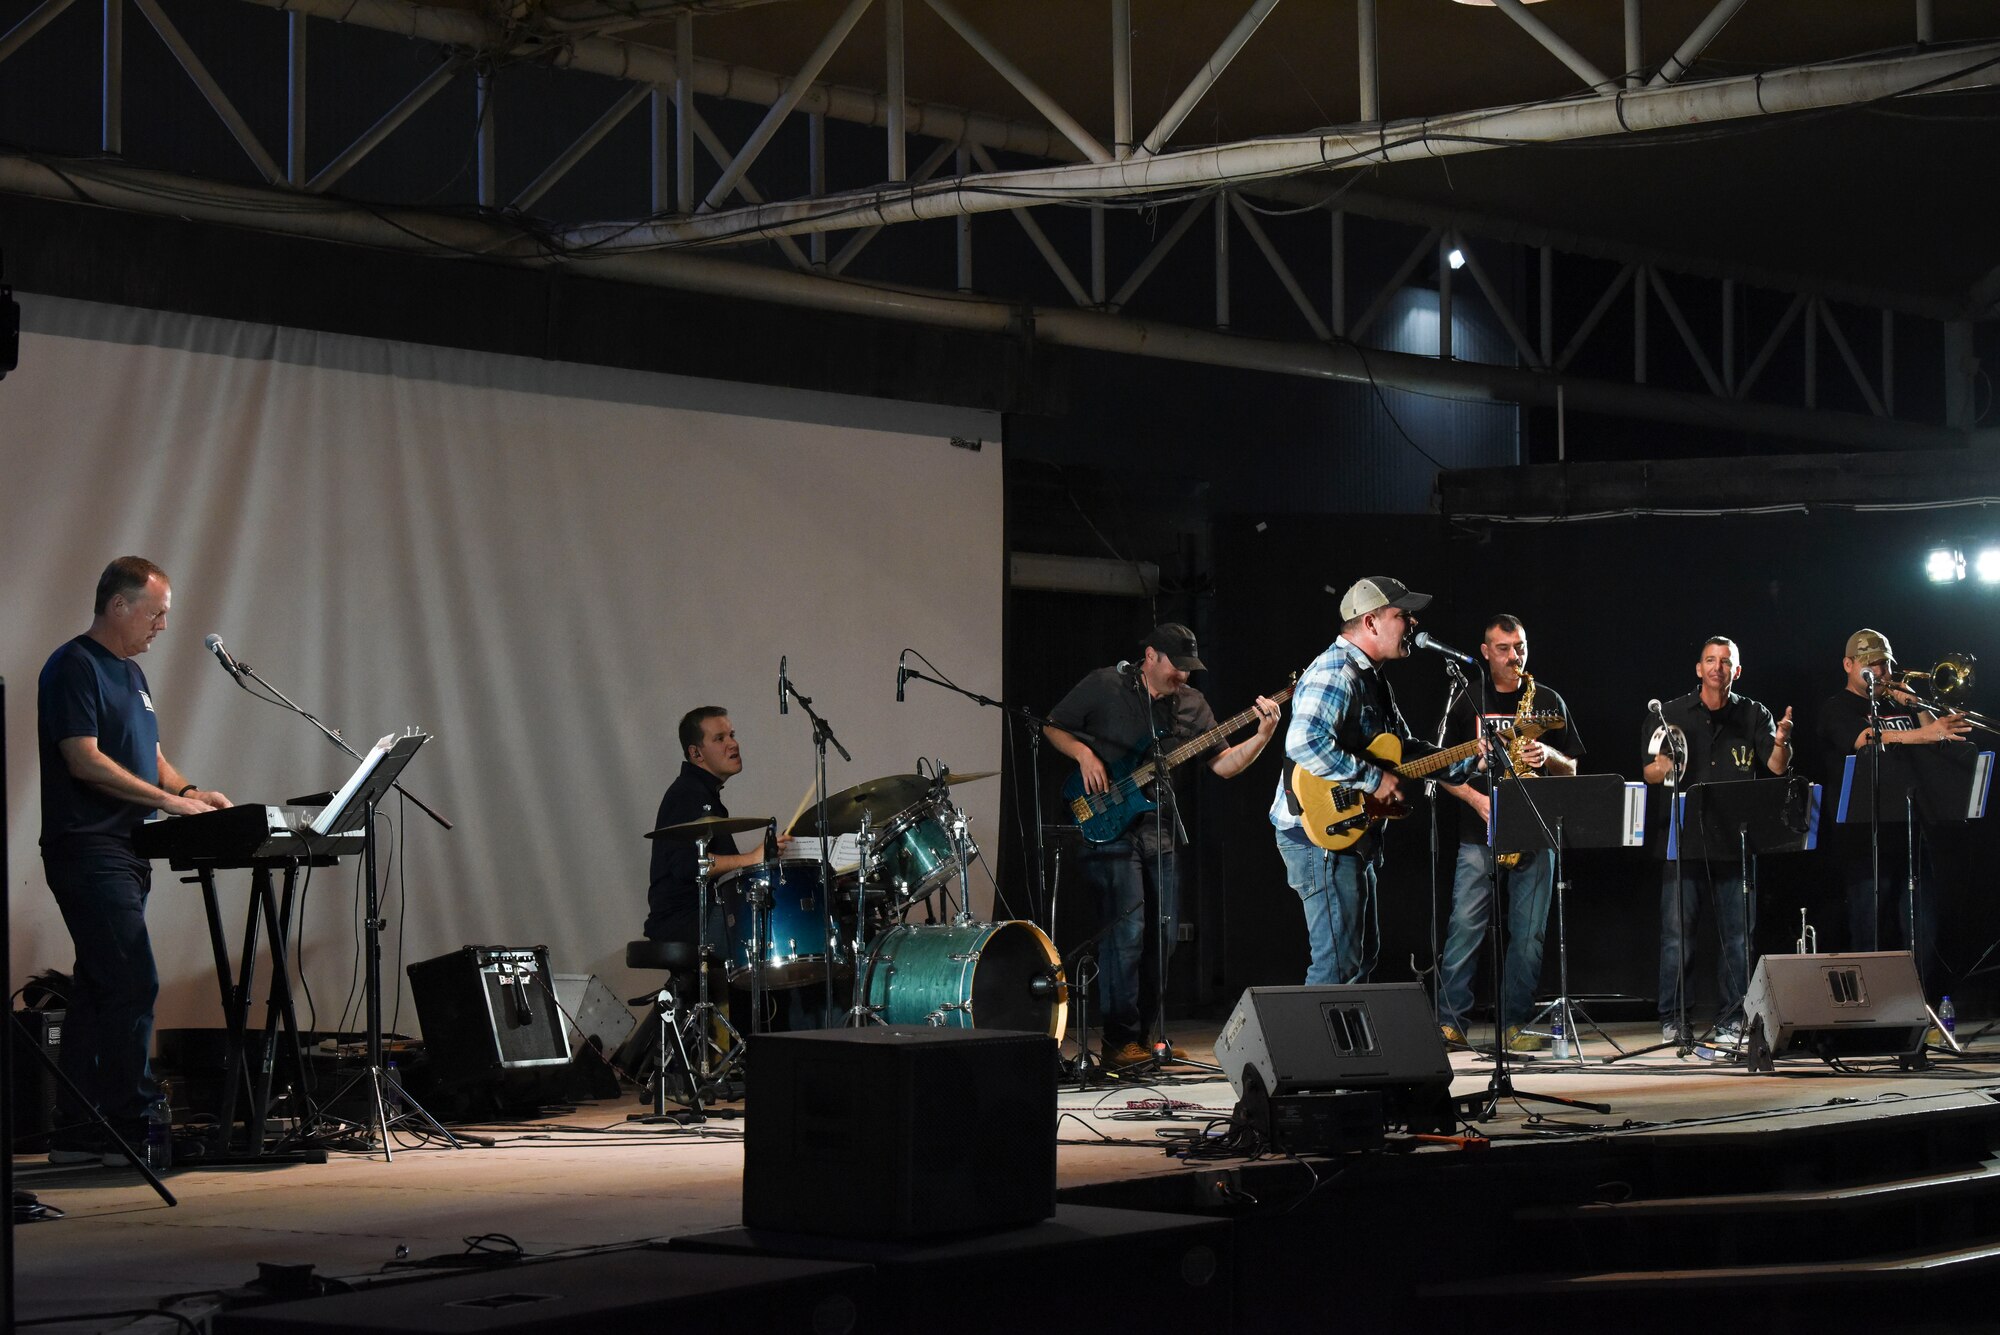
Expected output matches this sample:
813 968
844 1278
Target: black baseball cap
1175 642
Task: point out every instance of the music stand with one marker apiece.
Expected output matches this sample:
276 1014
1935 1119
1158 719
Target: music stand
1579 811
353 807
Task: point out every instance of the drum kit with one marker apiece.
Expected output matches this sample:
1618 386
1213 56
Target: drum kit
789 923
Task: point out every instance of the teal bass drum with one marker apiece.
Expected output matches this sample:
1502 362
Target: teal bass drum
980 975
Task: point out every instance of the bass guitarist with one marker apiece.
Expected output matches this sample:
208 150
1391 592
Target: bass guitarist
1113 715
1343 704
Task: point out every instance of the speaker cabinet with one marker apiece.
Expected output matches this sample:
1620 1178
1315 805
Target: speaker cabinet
899 1131
489 1008
595 1008
1866 1004
34 1092
1282 1041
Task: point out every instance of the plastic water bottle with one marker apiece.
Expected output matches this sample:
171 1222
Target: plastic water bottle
159 1136
1948 1017
1558 1036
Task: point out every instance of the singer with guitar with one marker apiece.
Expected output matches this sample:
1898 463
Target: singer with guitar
1344 720
1108 723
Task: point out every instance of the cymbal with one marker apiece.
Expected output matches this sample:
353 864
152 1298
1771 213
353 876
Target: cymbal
689 830
880 798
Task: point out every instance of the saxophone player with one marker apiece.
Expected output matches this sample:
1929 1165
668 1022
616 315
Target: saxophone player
1510 695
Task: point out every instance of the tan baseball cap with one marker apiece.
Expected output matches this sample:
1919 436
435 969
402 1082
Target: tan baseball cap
1375 592
1868 647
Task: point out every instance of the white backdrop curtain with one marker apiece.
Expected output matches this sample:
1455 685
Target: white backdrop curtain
542 564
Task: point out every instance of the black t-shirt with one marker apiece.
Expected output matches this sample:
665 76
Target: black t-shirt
1112 713
1725 745
670 899
1501 708
85 690
1842 716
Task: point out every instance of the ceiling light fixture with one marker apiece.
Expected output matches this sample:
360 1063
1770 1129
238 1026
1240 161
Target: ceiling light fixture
1945 565
1455 257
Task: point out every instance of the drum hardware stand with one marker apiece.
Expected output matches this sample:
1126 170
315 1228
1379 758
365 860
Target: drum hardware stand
822 738
377 1074
705 1011
1034 723
860 1014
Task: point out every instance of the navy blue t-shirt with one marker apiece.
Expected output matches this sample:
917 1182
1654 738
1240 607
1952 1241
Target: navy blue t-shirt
85 690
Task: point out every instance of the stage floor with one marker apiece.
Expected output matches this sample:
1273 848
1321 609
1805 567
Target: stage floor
588 1179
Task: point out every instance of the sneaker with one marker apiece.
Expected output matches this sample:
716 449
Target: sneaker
1170 1052
1452 1035
1127 1053
1522 1040
1725 1044
1668 1032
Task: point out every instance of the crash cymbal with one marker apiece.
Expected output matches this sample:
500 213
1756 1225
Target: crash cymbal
880 798
689 830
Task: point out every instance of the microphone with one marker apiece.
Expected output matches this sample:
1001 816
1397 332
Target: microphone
1868 678
215 646
1425 640
902 675
1654 705
782 706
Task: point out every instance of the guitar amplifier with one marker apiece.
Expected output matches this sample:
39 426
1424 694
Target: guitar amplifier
489 1008
34 1092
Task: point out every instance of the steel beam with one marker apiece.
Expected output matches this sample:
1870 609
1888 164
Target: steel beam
1635 46
784 105
1840 345
1596 315
1446 241
1337 297
613 117
683 79
295 100
745 187
660 127
1367 47
1067 125
1683 59
31 23
1220 238
371 137
1198 87
137 190
218 100
1681 327
1498 303
1040 240
111 136
1466 132
486 141
859 241
1160 250
1771 344
1554 44
1121 78
893 90
1418 254
1286 279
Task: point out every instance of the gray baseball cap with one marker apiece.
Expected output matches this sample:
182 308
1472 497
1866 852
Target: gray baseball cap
1372 593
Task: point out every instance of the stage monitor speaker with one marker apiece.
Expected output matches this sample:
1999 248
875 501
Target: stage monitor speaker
1866 1004
488 1008
594 1009
900 1131
1380 1036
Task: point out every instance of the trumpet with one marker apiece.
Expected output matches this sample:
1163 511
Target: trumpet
1944 689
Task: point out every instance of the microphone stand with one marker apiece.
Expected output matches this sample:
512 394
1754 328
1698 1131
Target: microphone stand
822 738
1677 767
1456 689
386 1088
1034 723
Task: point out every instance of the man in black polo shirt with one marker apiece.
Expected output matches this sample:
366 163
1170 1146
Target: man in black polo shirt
103 773
1728 736
710 757
1113 716
1844 730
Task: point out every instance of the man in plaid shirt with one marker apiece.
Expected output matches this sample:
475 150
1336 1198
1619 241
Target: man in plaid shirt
1341 704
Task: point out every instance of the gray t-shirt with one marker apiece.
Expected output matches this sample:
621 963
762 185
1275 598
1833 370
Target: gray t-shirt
1112 713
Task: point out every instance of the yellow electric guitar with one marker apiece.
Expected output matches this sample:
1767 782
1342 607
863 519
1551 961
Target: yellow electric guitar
1336 815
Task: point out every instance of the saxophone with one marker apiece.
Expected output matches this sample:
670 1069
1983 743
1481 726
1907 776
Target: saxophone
1517 746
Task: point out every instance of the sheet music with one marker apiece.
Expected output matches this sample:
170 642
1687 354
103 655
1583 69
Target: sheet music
846 851
331 811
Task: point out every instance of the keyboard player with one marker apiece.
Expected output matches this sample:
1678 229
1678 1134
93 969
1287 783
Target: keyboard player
103 773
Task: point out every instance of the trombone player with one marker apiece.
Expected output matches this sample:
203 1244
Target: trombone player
1847 728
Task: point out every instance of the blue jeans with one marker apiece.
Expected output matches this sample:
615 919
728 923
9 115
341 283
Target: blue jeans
1721 883
1332 887
101 886
1527 888
1126 880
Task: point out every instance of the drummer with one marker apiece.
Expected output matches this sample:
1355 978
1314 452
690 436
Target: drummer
710 758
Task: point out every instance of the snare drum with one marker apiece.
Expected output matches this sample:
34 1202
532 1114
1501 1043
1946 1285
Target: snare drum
981 975
796 933
913 853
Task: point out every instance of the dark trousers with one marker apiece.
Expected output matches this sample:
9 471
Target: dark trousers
101 886
1883 923
1138 901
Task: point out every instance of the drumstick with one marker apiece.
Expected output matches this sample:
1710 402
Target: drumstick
804 802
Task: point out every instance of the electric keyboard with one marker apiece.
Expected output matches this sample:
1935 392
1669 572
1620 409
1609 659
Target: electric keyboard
241 837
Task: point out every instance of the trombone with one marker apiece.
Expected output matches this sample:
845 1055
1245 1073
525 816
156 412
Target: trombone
1944 689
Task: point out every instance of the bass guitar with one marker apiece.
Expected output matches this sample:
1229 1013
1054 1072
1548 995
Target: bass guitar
1104 816
1336 815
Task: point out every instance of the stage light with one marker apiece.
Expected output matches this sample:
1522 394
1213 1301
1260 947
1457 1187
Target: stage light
1945 565
1455 257
1986 566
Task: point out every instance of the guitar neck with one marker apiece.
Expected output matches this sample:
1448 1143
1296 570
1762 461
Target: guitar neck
1417 769
1195 746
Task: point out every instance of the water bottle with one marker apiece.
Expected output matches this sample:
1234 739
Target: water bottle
159 1136
1948 1017
1559 1036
